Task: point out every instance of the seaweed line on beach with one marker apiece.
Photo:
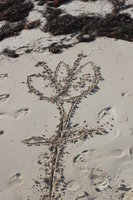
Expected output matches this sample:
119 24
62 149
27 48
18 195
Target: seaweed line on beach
86 27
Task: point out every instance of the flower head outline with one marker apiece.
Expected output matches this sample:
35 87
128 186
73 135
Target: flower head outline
66 83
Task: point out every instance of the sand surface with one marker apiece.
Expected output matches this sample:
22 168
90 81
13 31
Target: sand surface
73 145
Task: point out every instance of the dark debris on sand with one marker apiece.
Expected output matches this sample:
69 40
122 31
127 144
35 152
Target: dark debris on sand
10 53
51 3
14 10
119 26
11 29
87 28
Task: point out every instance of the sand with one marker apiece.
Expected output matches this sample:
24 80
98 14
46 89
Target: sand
71 145
100 7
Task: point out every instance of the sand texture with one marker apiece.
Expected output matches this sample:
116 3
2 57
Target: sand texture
66 119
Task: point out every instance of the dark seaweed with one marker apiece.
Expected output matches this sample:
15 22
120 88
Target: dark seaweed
119 26
14 10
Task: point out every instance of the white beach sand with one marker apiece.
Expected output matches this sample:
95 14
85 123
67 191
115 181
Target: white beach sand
99 167
100 7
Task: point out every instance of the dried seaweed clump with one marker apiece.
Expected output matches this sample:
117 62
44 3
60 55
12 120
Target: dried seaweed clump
11 29
14 10
118 26
10 53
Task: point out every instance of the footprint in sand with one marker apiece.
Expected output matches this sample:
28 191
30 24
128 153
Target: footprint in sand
4 97
16 180
73 185
104 112
98 179
86 156
20 113
117 153
107 117
17 114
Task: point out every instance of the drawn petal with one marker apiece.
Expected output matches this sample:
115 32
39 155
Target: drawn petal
84 80
61 73
41 86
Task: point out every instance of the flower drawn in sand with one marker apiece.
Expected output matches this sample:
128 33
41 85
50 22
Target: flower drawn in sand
65 85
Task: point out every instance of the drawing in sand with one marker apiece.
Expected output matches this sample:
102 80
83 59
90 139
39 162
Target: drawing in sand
77 83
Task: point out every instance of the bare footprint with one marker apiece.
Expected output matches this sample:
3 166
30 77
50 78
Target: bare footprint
78 157
98 179
20 113
117 153
86 155
4 97
16 180
104 112
93 155
17 114
73 185
107 117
